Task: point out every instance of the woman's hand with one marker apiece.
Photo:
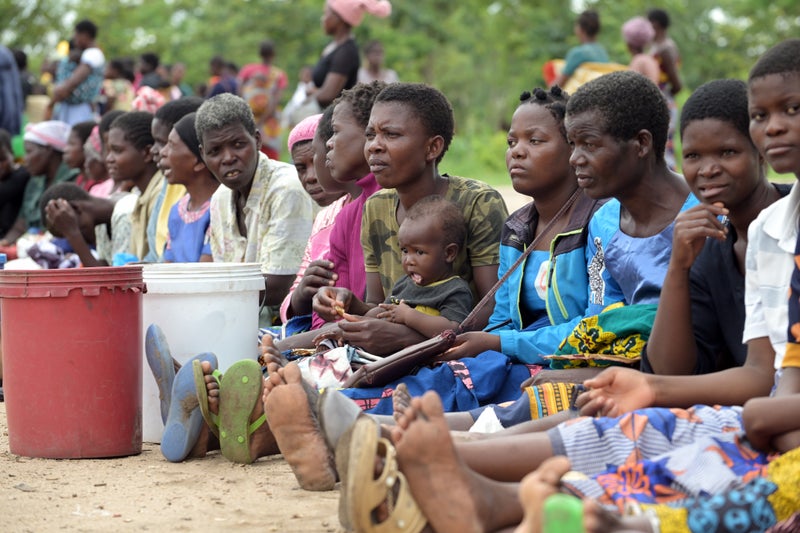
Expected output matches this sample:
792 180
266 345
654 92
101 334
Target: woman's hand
692 228
471 344
318 274
331 303
614 392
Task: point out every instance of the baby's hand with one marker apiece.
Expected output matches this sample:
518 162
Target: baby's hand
396 313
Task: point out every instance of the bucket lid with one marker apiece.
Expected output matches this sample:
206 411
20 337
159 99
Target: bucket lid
193 278
59 282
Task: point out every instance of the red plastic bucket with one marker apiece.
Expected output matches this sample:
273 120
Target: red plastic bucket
72 364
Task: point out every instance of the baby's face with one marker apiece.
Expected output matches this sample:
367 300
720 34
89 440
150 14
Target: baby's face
423 251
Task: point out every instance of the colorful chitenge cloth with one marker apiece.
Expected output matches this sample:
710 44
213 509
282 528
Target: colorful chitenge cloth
614 337
768 503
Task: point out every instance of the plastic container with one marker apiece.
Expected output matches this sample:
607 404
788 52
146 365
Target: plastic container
200 307
72 371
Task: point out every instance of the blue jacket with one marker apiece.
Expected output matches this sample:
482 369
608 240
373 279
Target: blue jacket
567 283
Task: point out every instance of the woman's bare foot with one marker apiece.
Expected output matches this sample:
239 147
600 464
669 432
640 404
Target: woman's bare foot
269 353
289 405
535 489
401 400
262 441
452 497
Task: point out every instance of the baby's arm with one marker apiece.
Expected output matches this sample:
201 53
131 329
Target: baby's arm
427 325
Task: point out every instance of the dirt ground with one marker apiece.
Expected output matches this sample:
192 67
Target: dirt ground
147 493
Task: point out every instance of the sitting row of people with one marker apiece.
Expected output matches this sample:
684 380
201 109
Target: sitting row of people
657 242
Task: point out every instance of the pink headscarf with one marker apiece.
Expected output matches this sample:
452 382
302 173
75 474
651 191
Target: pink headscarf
147 99
637 32
304 130
52 133
352 11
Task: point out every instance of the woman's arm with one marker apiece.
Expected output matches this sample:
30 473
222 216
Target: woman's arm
331 88
671 348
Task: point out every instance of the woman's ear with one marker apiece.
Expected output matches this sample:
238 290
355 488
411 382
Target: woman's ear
435 148
148 157
644 140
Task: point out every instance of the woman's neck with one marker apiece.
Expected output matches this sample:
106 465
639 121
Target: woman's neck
342 34
52 170
742 215
654 203
549 203
201 190
143 180
427 185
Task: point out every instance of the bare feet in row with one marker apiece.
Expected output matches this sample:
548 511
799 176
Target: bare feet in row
452 497
289 404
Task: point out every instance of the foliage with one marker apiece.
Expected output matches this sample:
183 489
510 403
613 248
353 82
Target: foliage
481 53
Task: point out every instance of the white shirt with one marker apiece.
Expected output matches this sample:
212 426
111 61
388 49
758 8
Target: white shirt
769 262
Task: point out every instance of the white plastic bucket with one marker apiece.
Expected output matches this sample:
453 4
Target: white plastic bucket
200 307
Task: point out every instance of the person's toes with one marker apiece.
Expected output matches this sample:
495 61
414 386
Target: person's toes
430 406
212 387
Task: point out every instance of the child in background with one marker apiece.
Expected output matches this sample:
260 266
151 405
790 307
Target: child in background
73 152
429 298
87 222
638 33
189 219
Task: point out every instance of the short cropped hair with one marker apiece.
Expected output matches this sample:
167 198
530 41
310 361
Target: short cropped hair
174 110
361 97
66 190
628 103
659 16
108 119
444 212
325 126
724 100
151 59
83 129
136 127
428 104
783 58
266 49
87 27
589 22
222 111
554 100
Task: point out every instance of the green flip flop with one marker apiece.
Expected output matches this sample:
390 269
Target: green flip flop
202 396
239 392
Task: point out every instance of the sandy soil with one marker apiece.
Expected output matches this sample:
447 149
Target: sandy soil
147 493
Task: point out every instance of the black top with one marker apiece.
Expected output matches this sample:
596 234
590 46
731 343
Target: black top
717 294
344 60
